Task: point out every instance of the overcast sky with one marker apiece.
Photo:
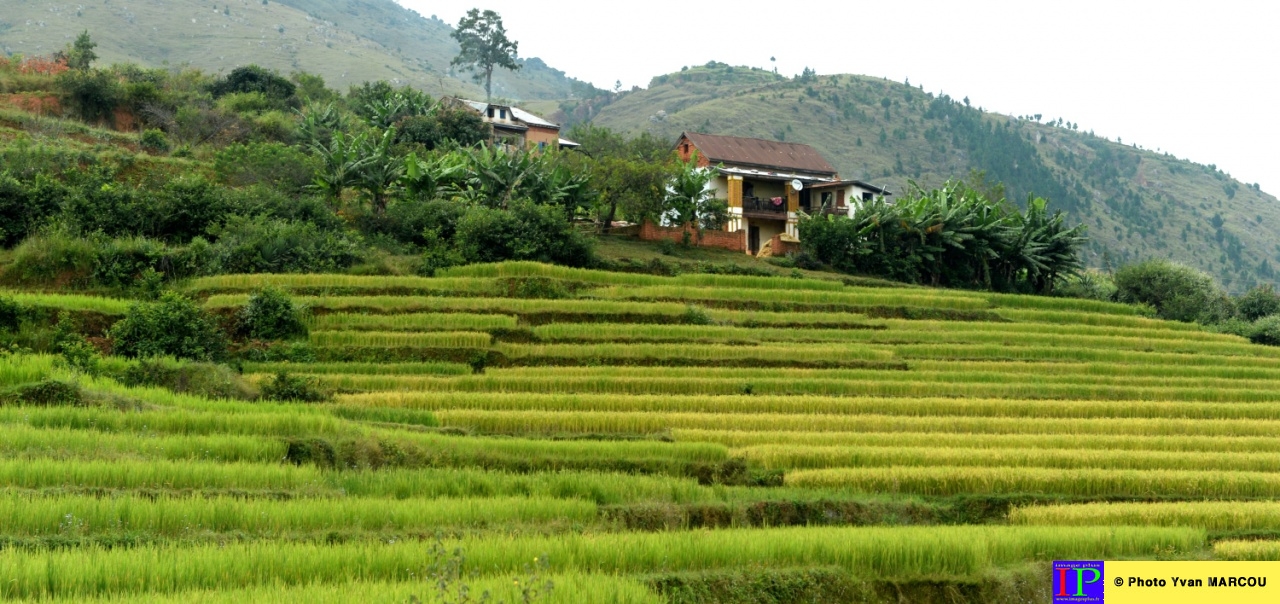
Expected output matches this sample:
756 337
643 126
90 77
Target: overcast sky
1200 81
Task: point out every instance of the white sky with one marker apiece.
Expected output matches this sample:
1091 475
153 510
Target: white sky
1199 81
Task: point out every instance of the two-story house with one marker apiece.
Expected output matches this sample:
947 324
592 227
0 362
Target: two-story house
768 183
516 127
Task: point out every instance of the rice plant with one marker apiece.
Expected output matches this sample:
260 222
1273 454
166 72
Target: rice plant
639 422
847 298
1208 515
880 552
536 269
300 283
825 405
411 322
1261 550
568 588
361 368
789 457
738 439
391 339
73 302
947 481
192 517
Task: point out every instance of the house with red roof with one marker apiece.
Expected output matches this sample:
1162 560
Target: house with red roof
768 184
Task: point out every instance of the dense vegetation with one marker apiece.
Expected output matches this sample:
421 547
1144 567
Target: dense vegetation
955 236
256 172
1136 203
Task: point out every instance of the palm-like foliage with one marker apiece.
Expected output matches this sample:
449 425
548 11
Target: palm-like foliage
381 168
951 236
690 201
434 175
317 123
341 162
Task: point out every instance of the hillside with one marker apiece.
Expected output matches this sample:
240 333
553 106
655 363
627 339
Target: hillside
1137 204
346 41
847 444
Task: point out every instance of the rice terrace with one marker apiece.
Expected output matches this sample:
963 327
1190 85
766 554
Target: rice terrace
643 439
289 314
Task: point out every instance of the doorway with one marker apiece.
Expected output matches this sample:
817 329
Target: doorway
753 239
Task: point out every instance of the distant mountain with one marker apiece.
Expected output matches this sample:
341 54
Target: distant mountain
346 41
1137 204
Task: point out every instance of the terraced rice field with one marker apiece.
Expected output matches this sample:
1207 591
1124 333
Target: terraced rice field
646 439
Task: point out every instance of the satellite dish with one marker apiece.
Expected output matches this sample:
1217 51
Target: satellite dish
797 185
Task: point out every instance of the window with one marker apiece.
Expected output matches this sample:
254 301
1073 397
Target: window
542 146
502 113
491 113
748 189
867 196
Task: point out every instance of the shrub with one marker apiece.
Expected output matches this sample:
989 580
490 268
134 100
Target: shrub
285 387
412 223
93 94
24 206
1089 285
526 231
1177 292
53 256
75 349
271 315
201 379
175 326
273 164
266 245
278 91
11 314
154 140
1266 331
1261 301
696 315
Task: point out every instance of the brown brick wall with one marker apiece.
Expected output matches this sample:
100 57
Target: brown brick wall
782 248
537 135
735 241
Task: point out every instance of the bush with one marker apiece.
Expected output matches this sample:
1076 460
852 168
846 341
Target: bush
93 94
285 387
1177 292
1089 285
277 91
273 164
271 315
1266 331
201 379
11 314
154 140
24 206
1261 301
175 326
266 245
526 231
412 223
75 349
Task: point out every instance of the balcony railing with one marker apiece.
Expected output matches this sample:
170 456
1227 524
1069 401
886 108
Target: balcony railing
776 205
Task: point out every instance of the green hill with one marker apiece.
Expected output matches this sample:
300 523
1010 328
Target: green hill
346 41
1137 204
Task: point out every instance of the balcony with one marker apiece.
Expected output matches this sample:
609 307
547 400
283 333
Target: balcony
765 207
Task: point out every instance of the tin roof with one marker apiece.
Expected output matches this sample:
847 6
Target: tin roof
516 113
761 153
